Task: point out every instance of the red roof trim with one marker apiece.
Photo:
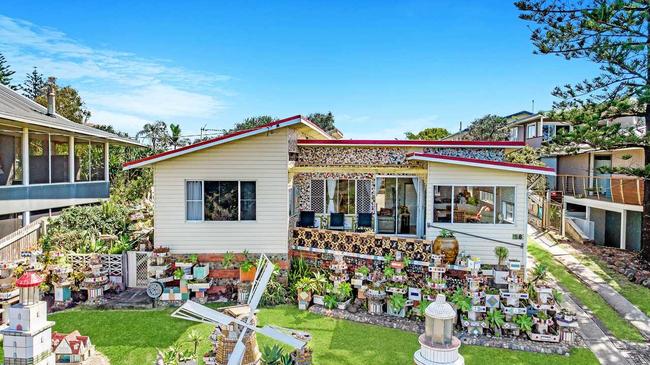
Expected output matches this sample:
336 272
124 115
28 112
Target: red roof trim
382 142
224 137
483 162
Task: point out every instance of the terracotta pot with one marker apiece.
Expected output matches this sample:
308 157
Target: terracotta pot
247 275
447 247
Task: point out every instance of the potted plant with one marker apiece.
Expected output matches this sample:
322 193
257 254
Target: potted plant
500 272
492 295
304 288
247 269
421 308
228 260
330 301
319 284
362 272
496 320
397 305
524 323
461 301
542 320
446 245
343 295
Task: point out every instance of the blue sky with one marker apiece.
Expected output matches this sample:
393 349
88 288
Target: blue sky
381 67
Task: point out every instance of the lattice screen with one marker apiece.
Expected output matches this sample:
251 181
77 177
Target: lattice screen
318 196
364 196
112 263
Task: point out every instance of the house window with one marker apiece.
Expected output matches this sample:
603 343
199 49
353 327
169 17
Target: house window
341 196
514 134
221 200
474 204
532 130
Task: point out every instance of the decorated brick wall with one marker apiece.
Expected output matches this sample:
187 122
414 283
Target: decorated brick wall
492 154
346 156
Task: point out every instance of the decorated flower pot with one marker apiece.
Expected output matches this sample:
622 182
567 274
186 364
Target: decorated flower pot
343 305
318 299
447 247
304 299
247 275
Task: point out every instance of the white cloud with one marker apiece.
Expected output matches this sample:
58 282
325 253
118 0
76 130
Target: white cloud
118 87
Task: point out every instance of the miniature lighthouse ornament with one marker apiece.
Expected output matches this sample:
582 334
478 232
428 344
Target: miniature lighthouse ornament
438 346
28 339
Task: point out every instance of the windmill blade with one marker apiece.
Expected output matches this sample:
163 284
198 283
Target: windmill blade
237 354
276 334
260 283
196 312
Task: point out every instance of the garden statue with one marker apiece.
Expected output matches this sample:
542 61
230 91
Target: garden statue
438 345
8 290
28 339
95 280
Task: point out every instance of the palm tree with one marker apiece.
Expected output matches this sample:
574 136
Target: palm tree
175 138
156 134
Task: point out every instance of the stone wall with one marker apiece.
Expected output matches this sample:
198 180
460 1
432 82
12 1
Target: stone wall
351 156
492 154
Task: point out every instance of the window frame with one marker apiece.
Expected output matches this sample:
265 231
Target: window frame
528 134
203 220
494 189
356 195
514 133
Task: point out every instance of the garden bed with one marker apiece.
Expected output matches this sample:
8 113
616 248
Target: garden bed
408 325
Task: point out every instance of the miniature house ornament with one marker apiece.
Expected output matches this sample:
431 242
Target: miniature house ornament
28 339
438 345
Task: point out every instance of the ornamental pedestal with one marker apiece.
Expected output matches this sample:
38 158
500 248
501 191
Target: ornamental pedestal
430 354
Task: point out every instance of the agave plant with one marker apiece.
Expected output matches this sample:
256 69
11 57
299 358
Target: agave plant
496 319
524 322
272 355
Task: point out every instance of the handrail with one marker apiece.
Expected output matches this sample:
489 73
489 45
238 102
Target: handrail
476 236
22 232
612 176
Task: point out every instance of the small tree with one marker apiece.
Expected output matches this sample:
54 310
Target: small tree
6 72
488 128
34 85
429 134
323 120
69 104
501 253
253 122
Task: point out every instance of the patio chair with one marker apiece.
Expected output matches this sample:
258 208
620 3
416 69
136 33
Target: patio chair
337 221
364 220
307 219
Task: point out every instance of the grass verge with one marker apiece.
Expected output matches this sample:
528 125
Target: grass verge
615 324
132 337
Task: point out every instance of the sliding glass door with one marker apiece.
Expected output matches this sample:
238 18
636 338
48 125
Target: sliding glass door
398 205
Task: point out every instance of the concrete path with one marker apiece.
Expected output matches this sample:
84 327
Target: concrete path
626 309
595 338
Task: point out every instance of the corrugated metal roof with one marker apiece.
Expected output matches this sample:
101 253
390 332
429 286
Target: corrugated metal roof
16 107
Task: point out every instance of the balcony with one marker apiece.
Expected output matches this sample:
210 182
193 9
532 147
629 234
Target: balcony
20 198
616 188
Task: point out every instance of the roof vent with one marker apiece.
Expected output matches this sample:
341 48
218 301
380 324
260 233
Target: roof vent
51 95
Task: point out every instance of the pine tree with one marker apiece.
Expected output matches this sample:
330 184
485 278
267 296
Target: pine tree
34 85
616 36
6 73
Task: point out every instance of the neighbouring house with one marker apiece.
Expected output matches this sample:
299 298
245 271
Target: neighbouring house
511 118
600 207
47 162
266 188
72 348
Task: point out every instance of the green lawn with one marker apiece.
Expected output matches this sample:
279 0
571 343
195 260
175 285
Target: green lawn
618 326
635 293
131 337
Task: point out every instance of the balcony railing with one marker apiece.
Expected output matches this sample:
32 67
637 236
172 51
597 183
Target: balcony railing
615 188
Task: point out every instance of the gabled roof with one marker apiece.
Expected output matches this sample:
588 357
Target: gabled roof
75 341
29 279
295 120
488 164
18 108
411 143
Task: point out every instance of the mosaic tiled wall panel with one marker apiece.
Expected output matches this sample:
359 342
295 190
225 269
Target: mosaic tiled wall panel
492 154
360 243
332 156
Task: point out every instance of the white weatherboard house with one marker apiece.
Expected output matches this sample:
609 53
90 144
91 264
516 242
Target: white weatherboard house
288 183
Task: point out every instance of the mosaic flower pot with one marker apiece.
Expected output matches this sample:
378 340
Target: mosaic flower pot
318 299
447 247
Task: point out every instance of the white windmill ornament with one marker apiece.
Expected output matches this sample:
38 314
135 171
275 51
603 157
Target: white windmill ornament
243 321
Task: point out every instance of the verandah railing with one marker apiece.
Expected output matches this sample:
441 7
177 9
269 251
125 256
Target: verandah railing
615 188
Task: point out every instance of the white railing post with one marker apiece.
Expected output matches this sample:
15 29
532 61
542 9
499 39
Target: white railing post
107 171
25 151
71 159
